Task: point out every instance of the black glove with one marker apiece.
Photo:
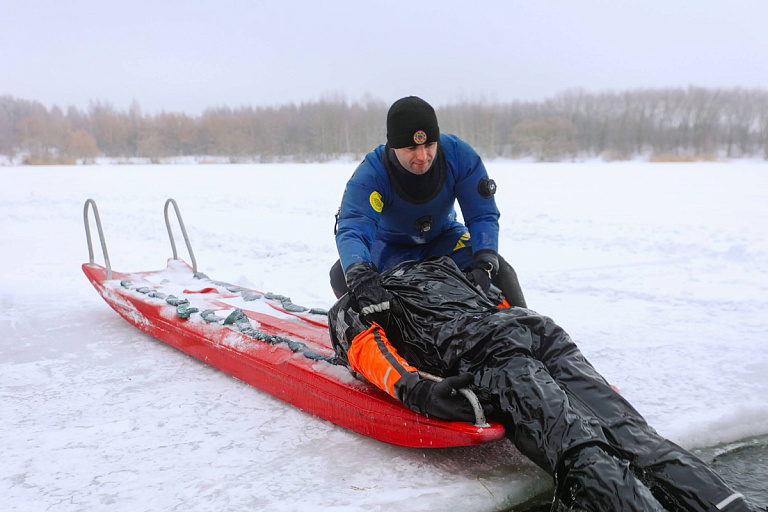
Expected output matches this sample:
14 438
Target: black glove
442 399
485 265
365 287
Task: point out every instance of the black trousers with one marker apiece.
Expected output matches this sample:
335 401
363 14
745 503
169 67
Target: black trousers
338 283
562 414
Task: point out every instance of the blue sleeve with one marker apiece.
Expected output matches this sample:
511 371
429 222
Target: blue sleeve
360 212
480 214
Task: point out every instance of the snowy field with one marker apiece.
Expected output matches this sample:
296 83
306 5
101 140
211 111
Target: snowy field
658 271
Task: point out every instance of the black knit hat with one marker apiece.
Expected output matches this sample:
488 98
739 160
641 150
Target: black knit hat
411 121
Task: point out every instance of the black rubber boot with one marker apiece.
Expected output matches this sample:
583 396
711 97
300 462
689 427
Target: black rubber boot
506 280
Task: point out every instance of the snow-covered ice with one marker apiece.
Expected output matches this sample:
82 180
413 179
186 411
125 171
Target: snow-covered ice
658 271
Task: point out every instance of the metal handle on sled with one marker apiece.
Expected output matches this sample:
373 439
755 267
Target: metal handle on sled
183 232
469 395
92 203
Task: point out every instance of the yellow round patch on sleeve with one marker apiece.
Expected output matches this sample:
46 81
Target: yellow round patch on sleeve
376 202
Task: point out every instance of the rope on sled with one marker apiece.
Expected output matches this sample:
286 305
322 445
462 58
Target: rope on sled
238 319
250 295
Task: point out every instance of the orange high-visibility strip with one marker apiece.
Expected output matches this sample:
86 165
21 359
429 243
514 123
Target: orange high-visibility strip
373 356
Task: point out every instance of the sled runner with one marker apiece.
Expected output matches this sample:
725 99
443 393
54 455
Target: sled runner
268 342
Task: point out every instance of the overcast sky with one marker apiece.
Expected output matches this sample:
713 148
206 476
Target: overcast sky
194 54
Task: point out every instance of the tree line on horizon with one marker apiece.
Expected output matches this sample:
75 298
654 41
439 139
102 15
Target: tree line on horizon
667 123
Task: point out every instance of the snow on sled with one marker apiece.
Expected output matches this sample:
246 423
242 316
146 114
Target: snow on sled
268 342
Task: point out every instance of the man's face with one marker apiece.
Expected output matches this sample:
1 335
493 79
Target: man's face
417 159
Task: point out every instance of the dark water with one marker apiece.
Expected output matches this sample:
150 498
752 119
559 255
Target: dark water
743 464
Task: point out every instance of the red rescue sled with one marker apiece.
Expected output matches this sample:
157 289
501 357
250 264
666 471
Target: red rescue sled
269 343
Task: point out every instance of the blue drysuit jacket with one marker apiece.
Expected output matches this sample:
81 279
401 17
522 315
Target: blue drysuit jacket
372 212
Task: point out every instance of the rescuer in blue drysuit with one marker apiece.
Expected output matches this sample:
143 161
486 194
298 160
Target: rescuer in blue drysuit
399 206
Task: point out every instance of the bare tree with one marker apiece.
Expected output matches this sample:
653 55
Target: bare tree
546 139
81 145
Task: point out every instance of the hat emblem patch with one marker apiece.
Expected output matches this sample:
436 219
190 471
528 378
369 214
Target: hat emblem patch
420 137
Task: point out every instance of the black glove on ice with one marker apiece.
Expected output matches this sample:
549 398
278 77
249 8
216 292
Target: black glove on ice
442 399
365 287
485 265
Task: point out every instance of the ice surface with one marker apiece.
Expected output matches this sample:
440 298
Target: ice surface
658 271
